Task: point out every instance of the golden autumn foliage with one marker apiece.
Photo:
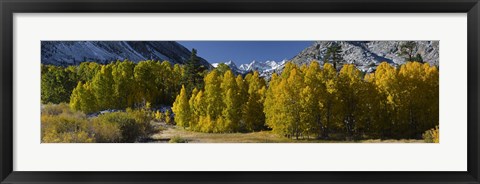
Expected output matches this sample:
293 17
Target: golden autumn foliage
319 102
181 109
121 85
226 104
62 125
432 135
301 102
389 103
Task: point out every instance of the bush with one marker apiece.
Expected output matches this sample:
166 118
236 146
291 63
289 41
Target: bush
68 137
59 124
432 135
168 117
177 139
55 109
122 126
106 131
158 116
143 117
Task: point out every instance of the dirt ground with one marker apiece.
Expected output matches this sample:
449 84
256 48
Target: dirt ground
168 132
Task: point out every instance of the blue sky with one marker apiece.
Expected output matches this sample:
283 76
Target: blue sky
242 52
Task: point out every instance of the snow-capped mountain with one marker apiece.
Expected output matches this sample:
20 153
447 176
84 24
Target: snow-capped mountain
75 52
366 55
232 66
263 67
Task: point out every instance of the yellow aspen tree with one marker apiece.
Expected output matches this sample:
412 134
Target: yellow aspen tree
329 100
181 109
386 82
411 99
368 113
75 98
83 99
193 109
200 108
145 74
213 96
349 84
206 124
89 102
102 85
280 118
254 117
165 83
432 96
87 70
242 98
232 111
308 112
311 98
270 109
177 77
293 90
124 85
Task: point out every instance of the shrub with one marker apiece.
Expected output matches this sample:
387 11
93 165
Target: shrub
158 116
106 131
68 137
432 135
59 124
177 139
122 126
168 117
143 119
55 109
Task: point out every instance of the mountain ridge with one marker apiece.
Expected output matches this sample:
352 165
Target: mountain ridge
75 52
366 55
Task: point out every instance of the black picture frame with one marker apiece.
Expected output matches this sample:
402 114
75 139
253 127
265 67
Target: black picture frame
9 7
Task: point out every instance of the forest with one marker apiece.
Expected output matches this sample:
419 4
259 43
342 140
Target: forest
117 102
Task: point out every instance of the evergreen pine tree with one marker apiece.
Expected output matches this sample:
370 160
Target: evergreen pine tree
333 54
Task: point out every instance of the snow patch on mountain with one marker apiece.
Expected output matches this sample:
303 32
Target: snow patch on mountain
265 68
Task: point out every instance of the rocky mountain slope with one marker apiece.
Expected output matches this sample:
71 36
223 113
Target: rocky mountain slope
264 66
74 52
366 55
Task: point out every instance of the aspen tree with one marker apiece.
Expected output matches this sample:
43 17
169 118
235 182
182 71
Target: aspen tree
181 109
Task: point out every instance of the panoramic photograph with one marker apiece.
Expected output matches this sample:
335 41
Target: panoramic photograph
240 91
